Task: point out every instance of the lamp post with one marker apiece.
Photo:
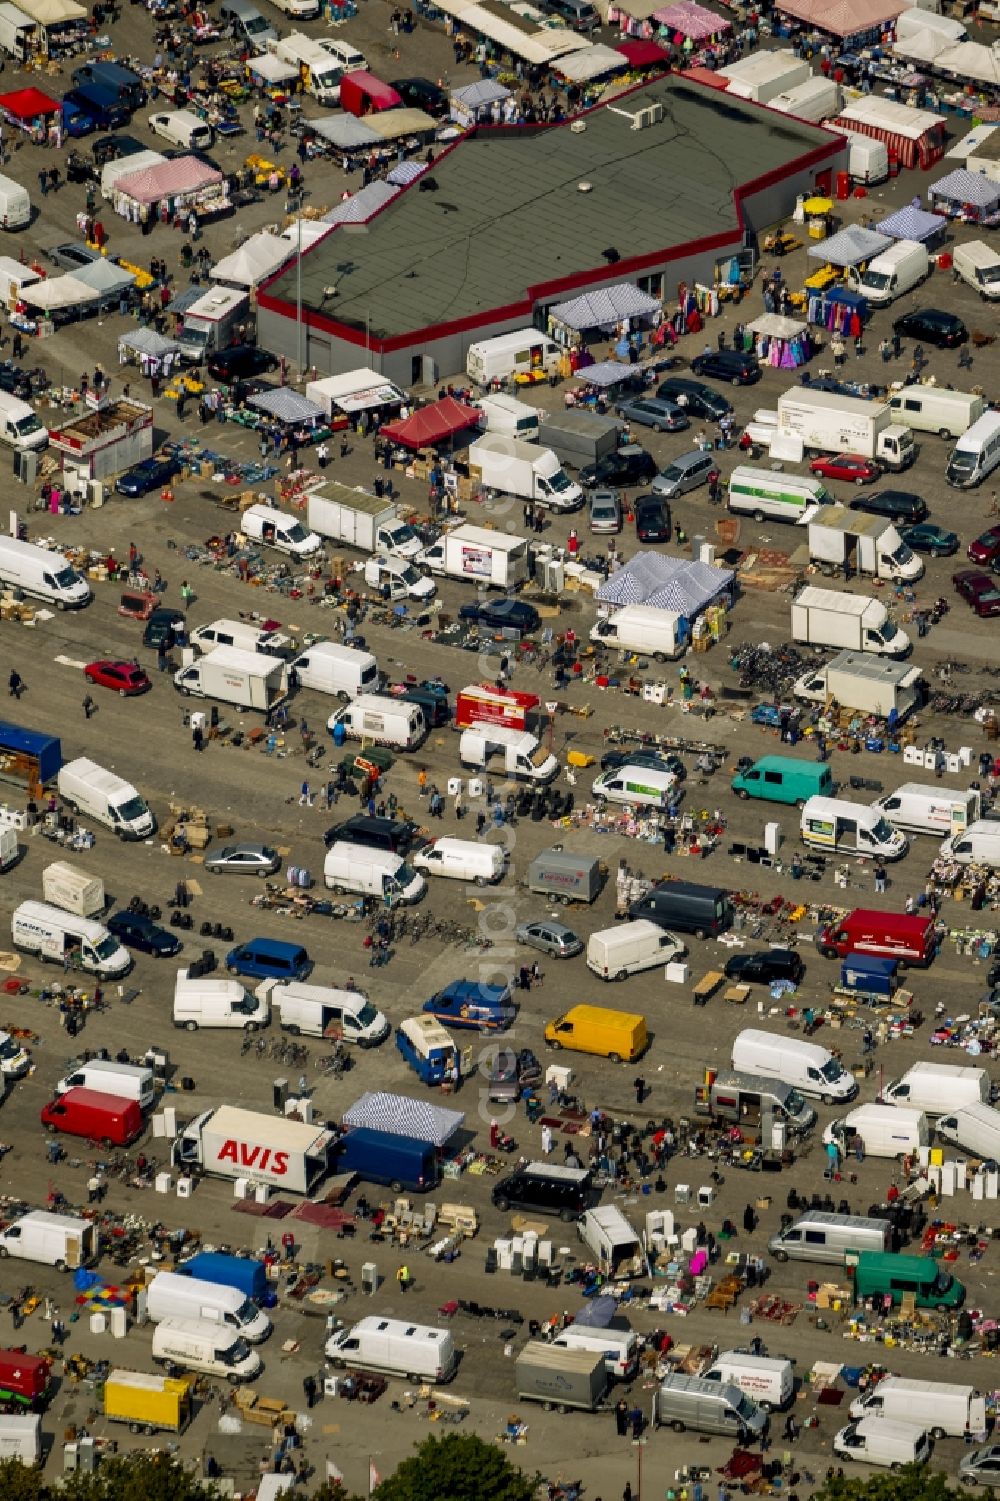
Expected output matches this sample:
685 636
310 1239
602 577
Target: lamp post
298 294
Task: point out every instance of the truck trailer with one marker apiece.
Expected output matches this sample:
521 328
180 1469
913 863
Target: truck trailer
856 543
493 560
232 1143
246 679
360 520
854 622
872 685
829 423
579 438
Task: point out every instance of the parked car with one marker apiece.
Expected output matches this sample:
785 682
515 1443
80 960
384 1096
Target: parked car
605 511
579 15
72 257
852 467
930 539
240 362
630 465
837 387
421 93
110 148
138 932
653 760
986 547
694 397
500 614
125 678
981 1466
15 381
979 590
765 967
511 1074
897 505
552 938
732 365
652 519
162 625
657 412
148 475
944 330
246 859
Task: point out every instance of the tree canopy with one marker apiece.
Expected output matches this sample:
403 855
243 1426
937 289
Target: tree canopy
912 1483
459 1466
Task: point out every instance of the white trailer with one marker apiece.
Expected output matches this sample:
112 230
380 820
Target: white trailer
490 559
855 622
828 423
361 520
857 543
872 685
246 679
231 1143
73 889
764 75
512 467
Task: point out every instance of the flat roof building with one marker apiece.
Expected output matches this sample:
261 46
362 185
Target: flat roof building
656 187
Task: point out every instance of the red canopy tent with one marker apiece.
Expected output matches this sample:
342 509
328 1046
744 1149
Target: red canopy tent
432 424
28 104
640 54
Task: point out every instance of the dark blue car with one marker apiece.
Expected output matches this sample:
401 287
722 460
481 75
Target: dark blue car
102 105
139 932
150 474
467 1003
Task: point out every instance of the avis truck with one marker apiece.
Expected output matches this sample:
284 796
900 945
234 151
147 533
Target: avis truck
856 622
360 520
857 543
231 1143
248 679
845 424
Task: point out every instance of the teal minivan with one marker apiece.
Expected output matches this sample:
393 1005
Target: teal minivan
784 779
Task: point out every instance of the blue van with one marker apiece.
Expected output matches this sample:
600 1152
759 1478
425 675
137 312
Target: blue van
101 104
77 119
784 779
400 1162
269 959
467 1003
123 83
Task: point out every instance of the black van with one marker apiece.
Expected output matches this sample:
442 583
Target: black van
374 833
565 1191
705 911
121 81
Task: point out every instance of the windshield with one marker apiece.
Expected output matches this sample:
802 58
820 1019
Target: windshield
191 334
9 1048
942 1282
558 481
831 1071
795 1104
883 832
295 533
252 25
108 947
987 275
902 554
26 425
238 1351
747 1409
67 578
367 1016
132 810
247 1311
402 533
962 461
410 576
876 281
406 875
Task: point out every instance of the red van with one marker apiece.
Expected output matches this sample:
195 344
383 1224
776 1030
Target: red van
894 935
25 1381
106 1118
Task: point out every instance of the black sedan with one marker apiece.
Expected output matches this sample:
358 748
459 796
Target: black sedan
138 932
502 614
694 397
765 967
652 519
944 330
925 537
150 474
421 93
162 625
897 505
731 365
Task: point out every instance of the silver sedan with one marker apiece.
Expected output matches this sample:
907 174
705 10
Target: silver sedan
242 859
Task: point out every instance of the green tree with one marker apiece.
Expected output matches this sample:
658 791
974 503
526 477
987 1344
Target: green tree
138 1477
332 1490
459 1466
20 1482
912 1483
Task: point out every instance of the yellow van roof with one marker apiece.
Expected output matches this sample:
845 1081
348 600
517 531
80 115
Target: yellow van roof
603 1016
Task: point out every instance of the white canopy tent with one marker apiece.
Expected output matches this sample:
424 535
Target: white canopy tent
59 292
255 260
354 391
272 69
590 62
53 12
970 60
922 46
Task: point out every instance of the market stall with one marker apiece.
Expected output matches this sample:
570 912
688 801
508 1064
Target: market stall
361 390
697 32
644 56
479 102
970 61
171 192
783 343
911 136
255 260
854 22
60 298
276 78
144 347
111 282
596 316
851 246
123 166
835 308
432 425
303 420
914 223
970 196
634 18
651 578
103 442
29 110
589 65
62 23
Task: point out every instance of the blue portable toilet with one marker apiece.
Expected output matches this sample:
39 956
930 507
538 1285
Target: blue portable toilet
339 733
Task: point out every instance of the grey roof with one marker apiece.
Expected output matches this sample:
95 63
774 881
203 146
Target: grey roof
286 405
104 276
967 187
483 91
457 252
361 205
605 307
148 341
345 131
850 245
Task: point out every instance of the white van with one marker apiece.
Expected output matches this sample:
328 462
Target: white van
15 204
643 628
639 785
462 860
978 264
371 872
620 1348
210 1001
616 953
975 1128
273 528
895 271
880 1441
820 1236
242 634
416 1352
979 845
937 1088
20 426
172 1296
190 1344
774 496
129 1081
183 128
42 573
882 1130
769 1382
63 1241
924 809
509 417
344 53
382 720
54 935
524 352
809 1068
934 409
837 825
104 796
944 1408
323 1011
328 667
976 454
396 578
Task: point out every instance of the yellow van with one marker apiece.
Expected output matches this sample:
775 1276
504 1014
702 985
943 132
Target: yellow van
618 1035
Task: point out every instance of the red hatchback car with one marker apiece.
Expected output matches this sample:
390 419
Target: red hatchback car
986 548
978 590
853 467
126 678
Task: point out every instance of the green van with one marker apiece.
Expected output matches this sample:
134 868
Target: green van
884 1274
784 779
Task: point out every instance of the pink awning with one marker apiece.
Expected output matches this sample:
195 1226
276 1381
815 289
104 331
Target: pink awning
844 18
171 179
691 20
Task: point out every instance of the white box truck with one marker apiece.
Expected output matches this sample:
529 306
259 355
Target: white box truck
494 560
228 1142
891 273
519 753
246 679
73 889
935 409
629 948
614 1242
523 352
644 628
856 543
61 1240
920 808
938 1088
768 1381
824 421
107 798
510 466
874 685
21 1434
172 1296
762 76
17 32
360 520
809 1068
975 1128
943 1408
382 720
855 622
769 495
211 322
816 98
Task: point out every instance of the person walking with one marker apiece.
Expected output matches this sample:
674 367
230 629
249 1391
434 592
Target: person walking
198 738
309 1390
15 684
880 877
621 1417
639 1085
88 706
546 1140
403 1277
305 796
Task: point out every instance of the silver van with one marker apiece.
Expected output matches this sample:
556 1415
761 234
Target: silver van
829 1237
683 474
707 1407
249 27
